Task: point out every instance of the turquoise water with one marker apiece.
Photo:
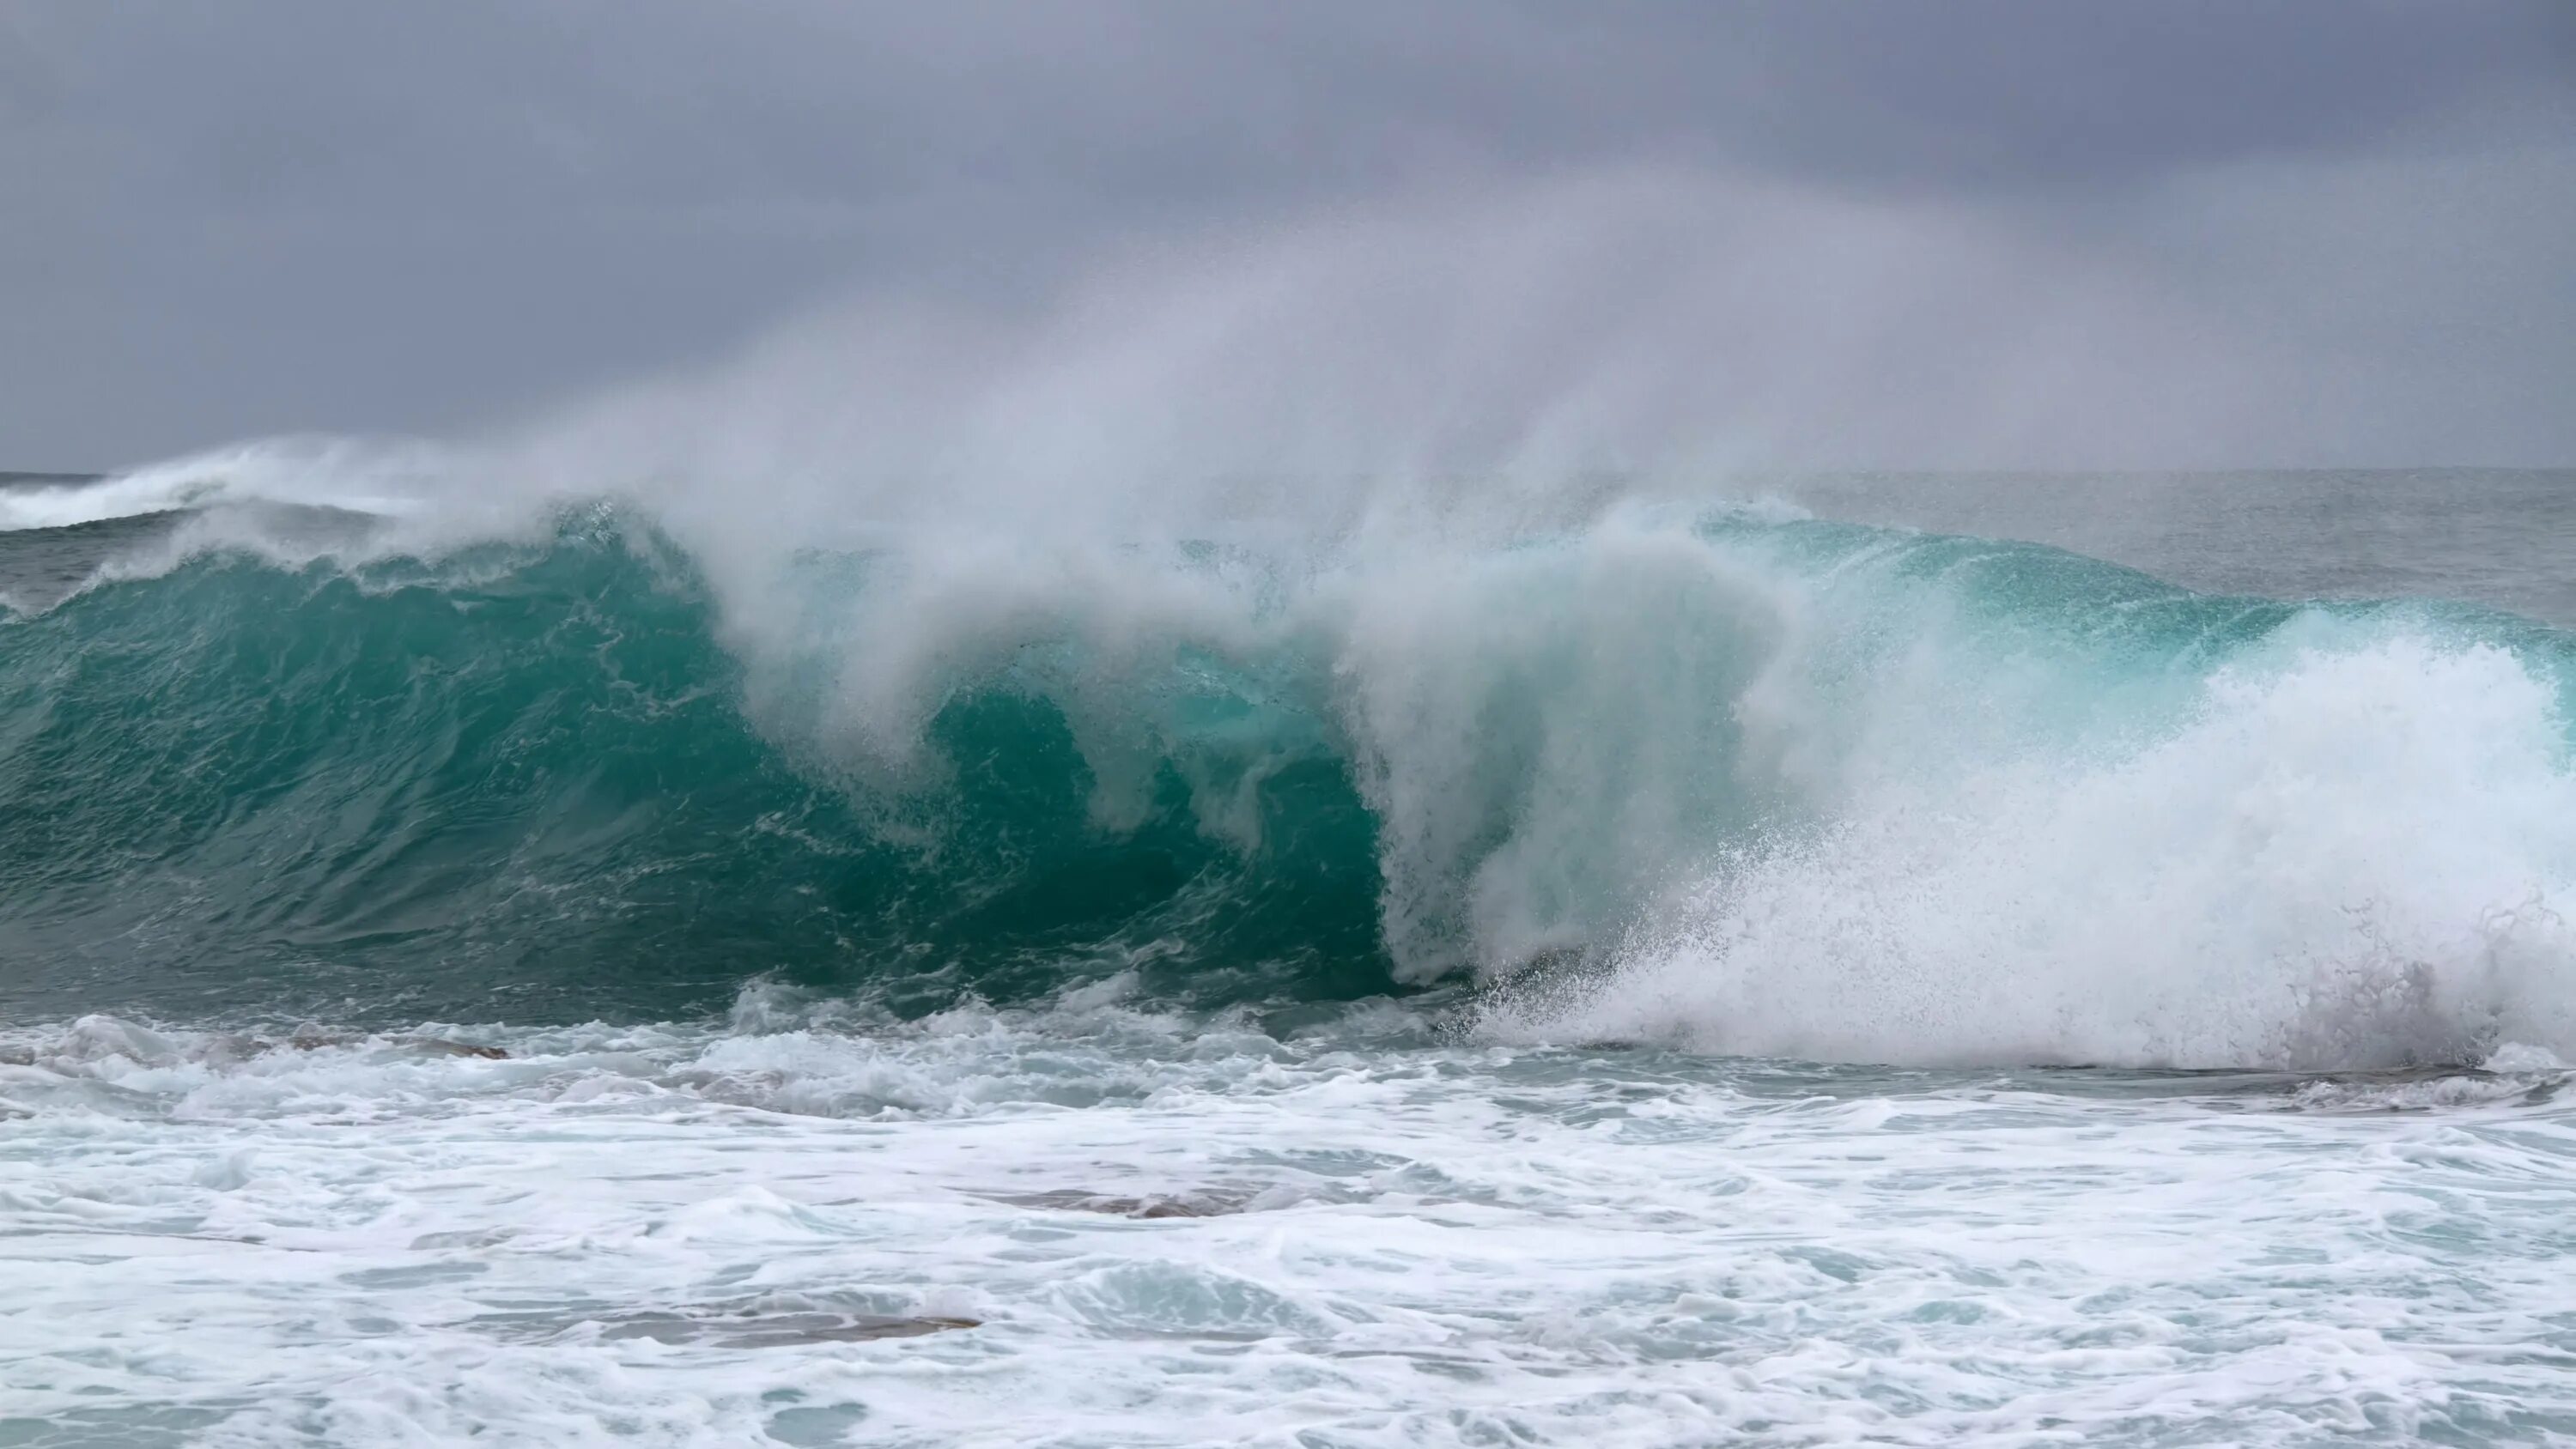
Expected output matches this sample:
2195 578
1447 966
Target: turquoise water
527 777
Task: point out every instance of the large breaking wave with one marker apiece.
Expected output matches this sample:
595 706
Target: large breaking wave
1730 777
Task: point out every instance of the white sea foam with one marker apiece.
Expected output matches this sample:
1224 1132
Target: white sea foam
374 1241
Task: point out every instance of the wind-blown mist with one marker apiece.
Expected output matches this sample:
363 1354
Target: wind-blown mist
1641 322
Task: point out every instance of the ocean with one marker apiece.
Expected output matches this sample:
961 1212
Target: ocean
1880 958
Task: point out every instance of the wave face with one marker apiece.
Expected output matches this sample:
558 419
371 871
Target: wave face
522 784
1736 780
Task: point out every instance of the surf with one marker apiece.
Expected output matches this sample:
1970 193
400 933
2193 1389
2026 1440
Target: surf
1723 777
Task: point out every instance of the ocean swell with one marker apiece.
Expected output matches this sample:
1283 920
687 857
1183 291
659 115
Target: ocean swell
1735 779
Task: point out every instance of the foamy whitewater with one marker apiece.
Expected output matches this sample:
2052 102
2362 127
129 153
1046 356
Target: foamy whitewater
512 944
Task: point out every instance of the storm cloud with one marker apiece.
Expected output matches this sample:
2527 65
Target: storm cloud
1977 233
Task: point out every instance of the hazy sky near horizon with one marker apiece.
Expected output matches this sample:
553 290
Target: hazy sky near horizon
2350 224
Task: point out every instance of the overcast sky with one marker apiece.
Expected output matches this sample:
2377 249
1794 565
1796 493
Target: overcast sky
228 220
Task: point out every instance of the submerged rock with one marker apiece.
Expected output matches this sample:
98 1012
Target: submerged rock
1207 1203
431 1045
438 1047
778 1330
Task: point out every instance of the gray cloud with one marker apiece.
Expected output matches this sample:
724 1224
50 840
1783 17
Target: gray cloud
234 219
